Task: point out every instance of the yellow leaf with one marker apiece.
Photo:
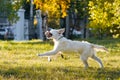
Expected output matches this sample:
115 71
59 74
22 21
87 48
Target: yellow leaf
35 21
28 0
64 14
32 2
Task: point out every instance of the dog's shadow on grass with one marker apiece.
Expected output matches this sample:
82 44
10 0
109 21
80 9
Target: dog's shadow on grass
108 73
66 72
93 73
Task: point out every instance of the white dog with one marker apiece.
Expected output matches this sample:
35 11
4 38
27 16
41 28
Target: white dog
62 44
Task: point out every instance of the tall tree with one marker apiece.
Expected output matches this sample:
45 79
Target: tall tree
105 16
79 14
9 8
53 9
58 10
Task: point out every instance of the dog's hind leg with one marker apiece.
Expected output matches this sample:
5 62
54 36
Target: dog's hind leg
84 59
98 60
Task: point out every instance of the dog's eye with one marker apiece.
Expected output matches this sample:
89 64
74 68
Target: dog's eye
59 33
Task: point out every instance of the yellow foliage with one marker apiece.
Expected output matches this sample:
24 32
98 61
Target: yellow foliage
53 6
35 21
64 14
90 3
28 0
116 35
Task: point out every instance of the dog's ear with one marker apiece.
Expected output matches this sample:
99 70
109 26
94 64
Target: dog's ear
61 31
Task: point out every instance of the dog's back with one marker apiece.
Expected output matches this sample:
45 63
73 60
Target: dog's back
66 45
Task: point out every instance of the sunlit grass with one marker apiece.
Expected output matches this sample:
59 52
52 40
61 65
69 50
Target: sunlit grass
18 61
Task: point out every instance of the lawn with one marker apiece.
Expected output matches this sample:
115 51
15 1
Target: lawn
18 61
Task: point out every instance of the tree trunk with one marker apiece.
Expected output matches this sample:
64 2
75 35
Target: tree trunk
67 27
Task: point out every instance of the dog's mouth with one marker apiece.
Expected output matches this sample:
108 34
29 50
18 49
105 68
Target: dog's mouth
48 34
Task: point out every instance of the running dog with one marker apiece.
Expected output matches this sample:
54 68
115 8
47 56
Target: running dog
62 44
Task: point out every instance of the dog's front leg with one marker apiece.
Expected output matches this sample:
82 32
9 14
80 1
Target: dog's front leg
49 53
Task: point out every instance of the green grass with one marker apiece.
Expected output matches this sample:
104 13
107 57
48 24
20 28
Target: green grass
18 61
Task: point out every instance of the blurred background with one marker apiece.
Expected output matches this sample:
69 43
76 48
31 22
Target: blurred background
29 19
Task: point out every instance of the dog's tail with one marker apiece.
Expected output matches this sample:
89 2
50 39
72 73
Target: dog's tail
99 48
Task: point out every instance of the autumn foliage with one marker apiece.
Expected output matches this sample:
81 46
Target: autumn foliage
53 7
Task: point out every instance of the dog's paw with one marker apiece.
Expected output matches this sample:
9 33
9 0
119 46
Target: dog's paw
49 59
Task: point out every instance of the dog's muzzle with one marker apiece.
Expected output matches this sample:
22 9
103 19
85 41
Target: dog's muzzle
48 34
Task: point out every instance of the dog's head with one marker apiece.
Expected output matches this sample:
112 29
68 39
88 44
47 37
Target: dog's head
54 34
